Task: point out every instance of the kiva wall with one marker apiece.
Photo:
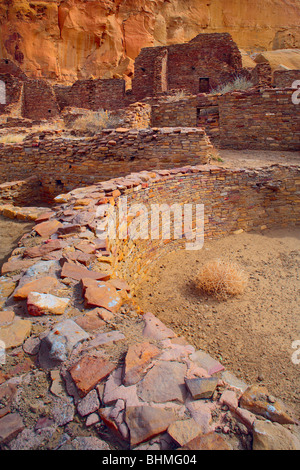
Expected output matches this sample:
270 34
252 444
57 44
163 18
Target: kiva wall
233 200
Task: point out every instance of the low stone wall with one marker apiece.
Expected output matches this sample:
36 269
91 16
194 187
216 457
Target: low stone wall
62 163
261 119
194 110
233 200
285 78
101 360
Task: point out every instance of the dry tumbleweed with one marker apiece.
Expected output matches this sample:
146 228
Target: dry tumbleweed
221 279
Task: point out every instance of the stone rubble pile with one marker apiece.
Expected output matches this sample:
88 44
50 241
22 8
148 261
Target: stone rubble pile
84 368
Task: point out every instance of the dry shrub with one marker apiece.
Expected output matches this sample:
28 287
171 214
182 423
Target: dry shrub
221 279
95 121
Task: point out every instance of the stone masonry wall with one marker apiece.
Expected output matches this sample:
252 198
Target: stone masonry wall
233 200
241 199
13 92
261 119
65 163
181 66
39 101
285 78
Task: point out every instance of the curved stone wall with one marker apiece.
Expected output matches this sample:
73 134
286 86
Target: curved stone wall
121 369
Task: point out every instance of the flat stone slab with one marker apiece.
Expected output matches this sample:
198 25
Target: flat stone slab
210 441
184 431
61 340
48 228
164 382
15 333
273 436
46 304
155 329
137 358
256 399
42 285
145 422
205 361
43 249
79 272
104 296
89 404
89 371
10 426
201 387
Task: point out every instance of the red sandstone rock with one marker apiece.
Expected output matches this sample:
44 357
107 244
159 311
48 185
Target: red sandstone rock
46 304
155 329
210 441
41 250
10 426
89 371
78 272
256 399
145 422
103 295
184 431
46 229
119 284
44 217
90 321
43 285
16 264
137 357
6 317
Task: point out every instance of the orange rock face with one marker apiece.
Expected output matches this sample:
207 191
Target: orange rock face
66 40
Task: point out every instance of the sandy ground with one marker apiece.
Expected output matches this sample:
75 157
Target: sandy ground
255 158
10 233
252 334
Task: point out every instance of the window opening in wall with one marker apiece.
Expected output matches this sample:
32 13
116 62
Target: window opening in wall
203 85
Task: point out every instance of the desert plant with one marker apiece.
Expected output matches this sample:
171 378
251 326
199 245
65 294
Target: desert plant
177 96
94 121
221 279
240 83
12 138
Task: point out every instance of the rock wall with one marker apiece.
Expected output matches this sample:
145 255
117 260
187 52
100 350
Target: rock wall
65 163
261 119
71 39
233 200
97 359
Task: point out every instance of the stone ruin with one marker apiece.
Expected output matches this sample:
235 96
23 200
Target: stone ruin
106 375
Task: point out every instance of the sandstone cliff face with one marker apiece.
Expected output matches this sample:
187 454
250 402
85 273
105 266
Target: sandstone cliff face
69 39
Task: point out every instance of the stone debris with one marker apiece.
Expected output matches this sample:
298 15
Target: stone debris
145 422
137 357
46 304
104 364
10 426
257 400
15 333
42 285
61 340
273 436
89 371
201 387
